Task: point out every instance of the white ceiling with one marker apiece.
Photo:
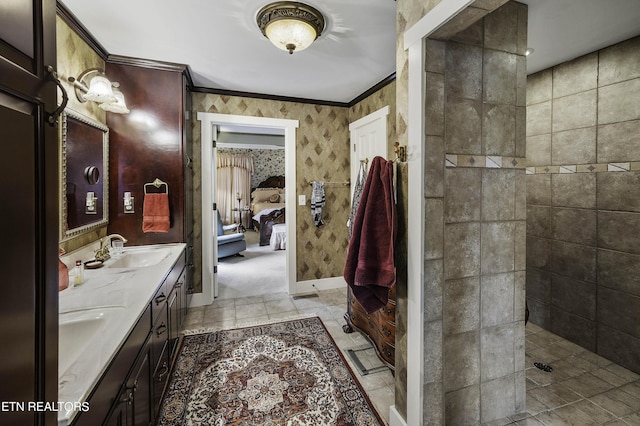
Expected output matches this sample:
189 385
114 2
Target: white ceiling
224 48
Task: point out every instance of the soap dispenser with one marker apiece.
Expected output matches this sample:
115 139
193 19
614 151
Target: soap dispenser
78 273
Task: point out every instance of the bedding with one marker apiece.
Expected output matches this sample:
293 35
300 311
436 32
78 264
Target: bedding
263 208
267 199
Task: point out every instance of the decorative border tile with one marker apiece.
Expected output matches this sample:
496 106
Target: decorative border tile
484 161
585 168
499 162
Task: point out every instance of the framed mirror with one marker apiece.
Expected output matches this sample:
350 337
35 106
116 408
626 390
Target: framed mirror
84 174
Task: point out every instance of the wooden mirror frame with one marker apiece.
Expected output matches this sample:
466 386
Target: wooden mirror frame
75 127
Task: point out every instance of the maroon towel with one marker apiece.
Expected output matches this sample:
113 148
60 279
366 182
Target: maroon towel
155 213
370 269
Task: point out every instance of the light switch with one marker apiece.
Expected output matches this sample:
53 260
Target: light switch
302 199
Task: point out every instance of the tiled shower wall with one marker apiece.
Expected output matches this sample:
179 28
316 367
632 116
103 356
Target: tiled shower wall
475 221
583 201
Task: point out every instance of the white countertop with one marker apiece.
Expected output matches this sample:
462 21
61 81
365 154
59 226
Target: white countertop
123 291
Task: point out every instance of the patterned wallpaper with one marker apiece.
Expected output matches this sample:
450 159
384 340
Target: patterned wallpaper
322 153
266 162
73 57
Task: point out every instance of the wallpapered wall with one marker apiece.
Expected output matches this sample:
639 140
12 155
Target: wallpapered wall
322 153
73 57
266 162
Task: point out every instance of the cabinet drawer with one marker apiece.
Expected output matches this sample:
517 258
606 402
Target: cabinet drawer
388 313
387 352
159 302
159 336
160 377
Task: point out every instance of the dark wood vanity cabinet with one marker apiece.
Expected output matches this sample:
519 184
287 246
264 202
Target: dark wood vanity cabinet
130 391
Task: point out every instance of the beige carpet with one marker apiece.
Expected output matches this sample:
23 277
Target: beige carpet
260 271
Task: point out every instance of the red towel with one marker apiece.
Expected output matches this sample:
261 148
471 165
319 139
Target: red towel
370 268
155 213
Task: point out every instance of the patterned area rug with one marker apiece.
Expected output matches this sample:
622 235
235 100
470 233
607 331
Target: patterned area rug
287 373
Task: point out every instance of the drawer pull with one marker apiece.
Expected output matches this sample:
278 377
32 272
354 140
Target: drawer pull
162 328
128 398
163 371
161 298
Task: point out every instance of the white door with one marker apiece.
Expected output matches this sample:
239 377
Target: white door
214 165
368 139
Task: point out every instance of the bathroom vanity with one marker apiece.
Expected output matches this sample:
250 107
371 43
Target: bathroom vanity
119 336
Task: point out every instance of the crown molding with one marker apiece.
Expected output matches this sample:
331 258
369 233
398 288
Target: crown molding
254 95
382 83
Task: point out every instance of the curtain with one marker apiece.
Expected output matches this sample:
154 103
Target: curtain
234 180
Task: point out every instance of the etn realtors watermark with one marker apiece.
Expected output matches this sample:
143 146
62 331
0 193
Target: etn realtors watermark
43 406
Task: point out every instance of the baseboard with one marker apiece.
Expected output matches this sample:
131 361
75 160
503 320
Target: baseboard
395 419
320 284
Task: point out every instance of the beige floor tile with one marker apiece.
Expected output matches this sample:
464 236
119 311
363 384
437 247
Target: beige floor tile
279 306
250 311
250 300
212 314
584 388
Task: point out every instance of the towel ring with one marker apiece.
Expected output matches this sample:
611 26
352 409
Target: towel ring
157 183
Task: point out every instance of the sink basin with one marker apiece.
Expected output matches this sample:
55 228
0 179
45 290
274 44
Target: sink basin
138 258
76 330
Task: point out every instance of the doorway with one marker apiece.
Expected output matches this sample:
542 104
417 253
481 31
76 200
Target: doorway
208 122
251 160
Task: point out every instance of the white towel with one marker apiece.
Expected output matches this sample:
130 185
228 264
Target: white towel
317 202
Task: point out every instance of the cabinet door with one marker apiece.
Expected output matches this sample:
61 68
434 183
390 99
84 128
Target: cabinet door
140 384
29 218
134 404
173 311
121 412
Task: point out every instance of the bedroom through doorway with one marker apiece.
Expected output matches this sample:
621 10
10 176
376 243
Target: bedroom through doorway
250 196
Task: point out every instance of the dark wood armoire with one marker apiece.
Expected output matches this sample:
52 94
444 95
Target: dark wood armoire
29 225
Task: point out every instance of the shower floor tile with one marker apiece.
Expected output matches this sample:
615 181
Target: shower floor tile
583 388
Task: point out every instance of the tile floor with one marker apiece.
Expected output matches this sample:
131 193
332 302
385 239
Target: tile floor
583 388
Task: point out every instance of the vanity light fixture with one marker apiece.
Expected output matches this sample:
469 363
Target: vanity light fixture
289 25
93 85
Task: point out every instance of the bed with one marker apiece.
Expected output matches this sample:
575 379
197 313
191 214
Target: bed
267 206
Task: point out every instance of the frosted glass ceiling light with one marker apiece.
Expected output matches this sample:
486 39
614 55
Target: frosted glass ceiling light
290 25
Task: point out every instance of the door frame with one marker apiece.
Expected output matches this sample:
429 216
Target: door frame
207 122
413 41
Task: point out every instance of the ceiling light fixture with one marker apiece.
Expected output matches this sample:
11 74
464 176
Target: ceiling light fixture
529 51
93 85
290 25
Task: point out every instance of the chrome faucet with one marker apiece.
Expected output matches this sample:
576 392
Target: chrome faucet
105 242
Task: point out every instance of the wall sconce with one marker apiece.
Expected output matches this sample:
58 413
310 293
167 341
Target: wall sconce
93 85
290 25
